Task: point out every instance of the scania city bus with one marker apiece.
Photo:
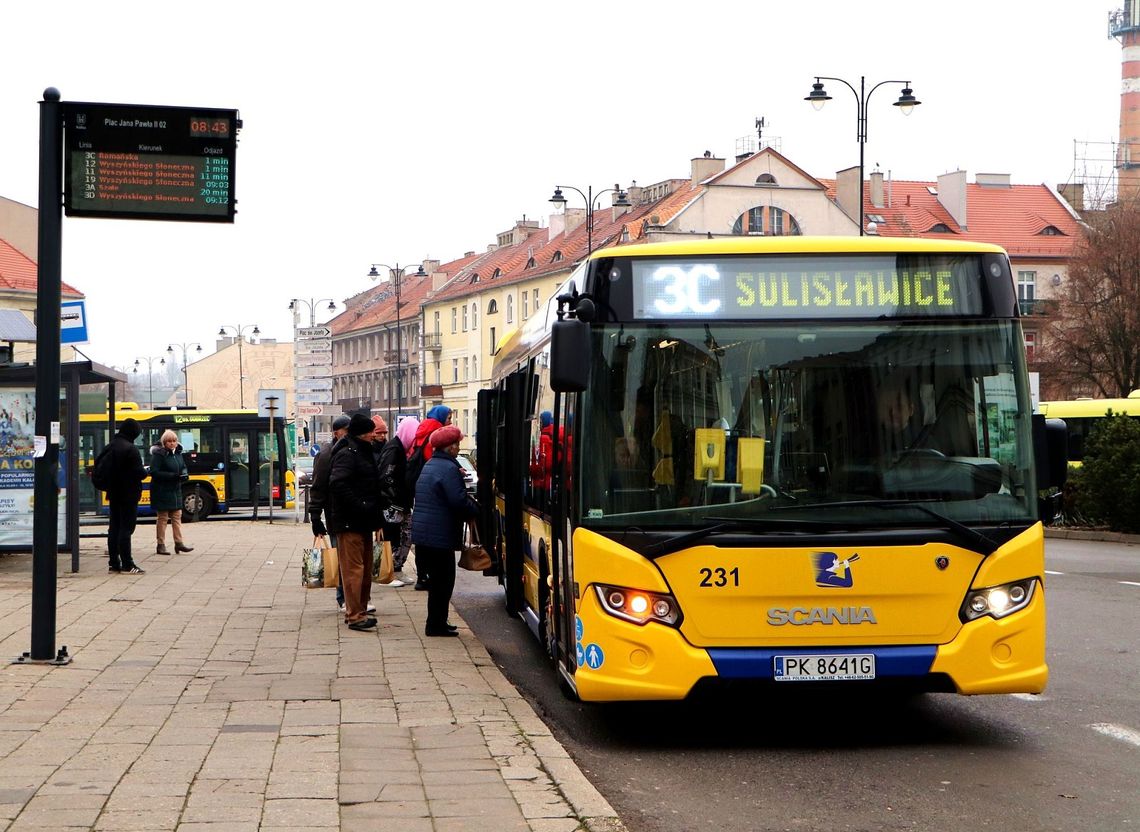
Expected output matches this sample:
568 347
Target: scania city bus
785 460
229 454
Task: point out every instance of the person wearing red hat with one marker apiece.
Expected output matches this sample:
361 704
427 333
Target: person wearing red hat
442 508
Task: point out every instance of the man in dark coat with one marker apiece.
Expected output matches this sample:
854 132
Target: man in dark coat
442 508
354 516
124 494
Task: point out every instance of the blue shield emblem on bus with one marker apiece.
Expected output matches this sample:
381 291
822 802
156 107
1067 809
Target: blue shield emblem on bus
833 571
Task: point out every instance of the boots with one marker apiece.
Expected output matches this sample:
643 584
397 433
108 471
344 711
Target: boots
161 550
179 546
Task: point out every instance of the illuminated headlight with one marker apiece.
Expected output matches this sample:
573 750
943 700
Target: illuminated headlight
998 601
638 606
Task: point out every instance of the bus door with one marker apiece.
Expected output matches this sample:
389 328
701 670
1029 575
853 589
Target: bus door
270 464
241 466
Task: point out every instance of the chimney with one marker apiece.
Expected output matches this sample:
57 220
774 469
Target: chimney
431 266
636 193
705 166
618 210
847 192
557 224
952 195
573 217
1124 25
1074 194
877 189
438 279
992 180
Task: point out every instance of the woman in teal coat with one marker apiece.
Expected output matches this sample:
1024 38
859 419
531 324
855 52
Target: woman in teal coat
167 472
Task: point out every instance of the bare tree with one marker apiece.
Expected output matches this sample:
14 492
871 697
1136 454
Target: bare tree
1093 342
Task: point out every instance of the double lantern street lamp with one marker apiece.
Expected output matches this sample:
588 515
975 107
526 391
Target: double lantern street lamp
312 304
395 274
239 331
621 201
185 349
818 97
149 374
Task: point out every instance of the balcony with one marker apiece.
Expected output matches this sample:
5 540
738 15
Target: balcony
1037 307
432 341
431 391
396 357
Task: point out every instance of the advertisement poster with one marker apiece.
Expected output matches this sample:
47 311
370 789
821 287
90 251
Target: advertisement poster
17 469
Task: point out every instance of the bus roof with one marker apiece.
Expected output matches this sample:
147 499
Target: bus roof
1092 408
798 245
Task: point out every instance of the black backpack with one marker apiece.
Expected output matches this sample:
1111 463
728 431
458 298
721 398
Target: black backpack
103 470
415 465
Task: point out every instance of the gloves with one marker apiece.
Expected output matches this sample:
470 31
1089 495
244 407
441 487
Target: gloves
319 529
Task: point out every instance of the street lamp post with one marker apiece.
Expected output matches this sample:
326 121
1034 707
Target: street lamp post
396 274
622 201
311 303
239 330
185 349
818 97
149 374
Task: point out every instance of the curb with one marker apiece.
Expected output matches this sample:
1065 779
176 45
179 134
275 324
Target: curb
1100 535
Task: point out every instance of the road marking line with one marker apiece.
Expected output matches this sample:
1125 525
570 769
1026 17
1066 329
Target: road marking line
1029 697
1118 732
1131 583
1047 572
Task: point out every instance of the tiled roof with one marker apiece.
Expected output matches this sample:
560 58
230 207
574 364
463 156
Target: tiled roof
1012 217
18 273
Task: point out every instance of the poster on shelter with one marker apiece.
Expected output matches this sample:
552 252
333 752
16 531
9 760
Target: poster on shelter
17 469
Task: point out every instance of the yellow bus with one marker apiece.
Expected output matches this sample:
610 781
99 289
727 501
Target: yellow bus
690 470
1081 414
229 454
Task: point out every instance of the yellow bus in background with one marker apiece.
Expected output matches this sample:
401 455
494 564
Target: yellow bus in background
1081 414
229 455
687 472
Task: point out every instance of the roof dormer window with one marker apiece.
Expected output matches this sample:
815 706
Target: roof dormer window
496 273
530 263
1051 231
557 256
940 228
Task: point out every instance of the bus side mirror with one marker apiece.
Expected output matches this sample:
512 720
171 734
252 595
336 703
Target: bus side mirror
569 356
1051 452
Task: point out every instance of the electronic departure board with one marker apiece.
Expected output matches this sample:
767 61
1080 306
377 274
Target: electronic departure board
131 161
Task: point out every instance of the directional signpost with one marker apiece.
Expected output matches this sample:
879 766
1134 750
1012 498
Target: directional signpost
312 373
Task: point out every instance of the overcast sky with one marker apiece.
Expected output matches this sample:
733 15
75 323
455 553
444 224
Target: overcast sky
397 131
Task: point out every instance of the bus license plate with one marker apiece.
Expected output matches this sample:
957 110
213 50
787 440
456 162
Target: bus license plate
824 668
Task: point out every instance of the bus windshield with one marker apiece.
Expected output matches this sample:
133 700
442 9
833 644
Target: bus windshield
691 423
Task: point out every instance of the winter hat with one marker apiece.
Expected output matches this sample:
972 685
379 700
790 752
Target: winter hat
130 429
447 435
406 432
341 422
359 425
381 425
440 413
546 418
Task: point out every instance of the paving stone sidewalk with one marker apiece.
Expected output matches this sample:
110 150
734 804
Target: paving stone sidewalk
214 693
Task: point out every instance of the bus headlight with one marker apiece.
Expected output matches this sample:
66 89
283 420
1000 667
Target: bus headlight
998 601
638 606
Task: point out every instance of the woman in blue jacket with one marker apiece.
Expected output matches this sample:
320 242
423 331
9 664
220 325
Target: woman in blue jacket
442 508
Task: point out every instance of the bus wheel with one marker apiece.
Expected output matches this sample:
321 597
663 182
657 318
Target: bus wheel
197 504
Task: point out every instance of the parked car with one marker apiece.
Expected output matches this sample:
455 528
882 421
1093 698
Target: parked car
470 476
303 469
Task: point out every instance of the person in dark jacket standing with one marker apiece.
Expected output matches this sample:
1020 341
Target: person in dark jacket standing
354 515
124 494
442 508
167 473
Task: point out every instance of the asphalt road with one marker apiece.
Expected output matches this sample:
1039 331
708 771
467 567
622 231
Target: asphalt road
1069 759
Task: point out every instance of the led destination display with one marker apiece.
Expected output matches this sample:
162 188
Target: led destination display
138 162
829 287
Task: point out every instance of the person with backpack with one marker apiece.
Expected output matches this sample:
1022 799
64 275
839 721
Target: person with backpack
394 489
167 473
421 451
125 473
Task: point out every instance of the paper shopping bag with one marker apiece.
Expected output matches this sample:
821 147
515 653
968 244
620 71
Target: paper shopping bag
319 566
383 570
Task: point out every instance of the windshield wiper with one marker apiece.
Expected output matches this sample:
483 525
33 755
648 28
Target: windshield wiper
974 539
680 541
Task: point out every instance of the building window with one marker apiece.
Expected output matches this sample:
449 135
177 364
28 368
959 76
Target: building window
1051 231
492 341
455 370
766 179
454 320
437 329
536 300
557 256
1030 345
466 369
525 305
475 367
764 219
1026 285
438 373
464 317
510 309
492 307
474 316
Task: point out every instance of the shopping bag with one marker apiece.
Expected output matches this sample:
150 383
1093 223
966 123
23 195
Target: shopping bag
474 557
319 567
383 570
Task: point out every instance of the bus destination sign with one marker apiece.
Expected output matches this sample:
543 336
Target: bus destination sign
131 161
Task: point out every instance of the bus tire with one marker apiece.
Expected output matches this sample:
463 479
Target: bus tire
197 503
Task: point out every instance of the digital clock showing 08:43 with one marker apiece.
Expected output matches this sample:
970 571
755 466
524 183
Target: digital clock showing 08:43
209 127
